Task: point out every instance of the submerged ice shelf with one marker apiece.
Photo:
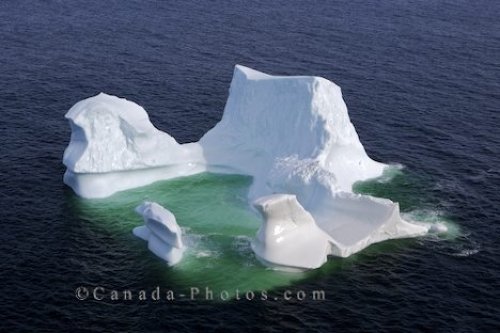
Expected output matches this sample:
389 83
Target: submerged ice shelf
293 135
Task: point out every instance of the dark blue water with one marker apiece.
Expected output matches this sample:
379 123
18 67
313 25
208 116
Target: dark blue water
422 83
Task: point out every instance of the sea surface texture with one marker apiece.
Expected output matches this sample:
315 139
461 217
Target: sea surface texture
421 80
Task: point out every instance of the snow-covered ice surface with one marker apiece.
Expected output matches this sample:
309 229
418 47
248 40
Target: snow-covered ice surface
161 231
293 135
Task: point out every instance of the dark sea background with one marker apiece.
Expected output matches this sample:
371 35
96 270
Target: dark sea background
421 80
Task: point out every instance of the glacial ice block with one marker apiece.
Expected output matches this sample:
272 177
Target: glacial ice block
292 134
115 147
289 238
161 231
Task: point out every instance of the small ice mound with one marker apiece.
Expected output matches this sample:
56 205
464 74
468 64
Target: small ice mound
289 238
161 231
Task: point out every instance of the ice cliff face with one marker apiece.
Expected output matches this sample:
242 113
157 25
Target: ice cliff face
272 118
112 134
292 134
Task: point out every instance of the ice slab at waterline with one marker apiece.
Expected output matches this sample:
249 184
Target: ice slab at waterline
292 239
161 231
292 134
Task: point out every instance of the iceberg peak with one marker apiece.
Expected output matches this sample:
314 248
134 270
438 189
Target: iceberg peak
250 74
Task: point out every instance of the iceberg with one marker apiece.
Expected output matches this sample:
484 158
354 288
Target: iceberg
292 134
161 231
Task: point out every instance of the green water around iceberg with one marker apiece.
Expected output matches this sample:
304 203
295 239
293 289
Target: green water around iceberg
218 225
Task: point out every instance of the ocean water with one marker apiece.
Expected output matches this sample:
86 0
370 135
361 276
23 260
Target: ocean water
421 80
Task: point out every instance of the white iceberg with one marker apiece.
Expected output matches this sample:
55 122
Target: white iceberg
161 231
293 135
292 239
